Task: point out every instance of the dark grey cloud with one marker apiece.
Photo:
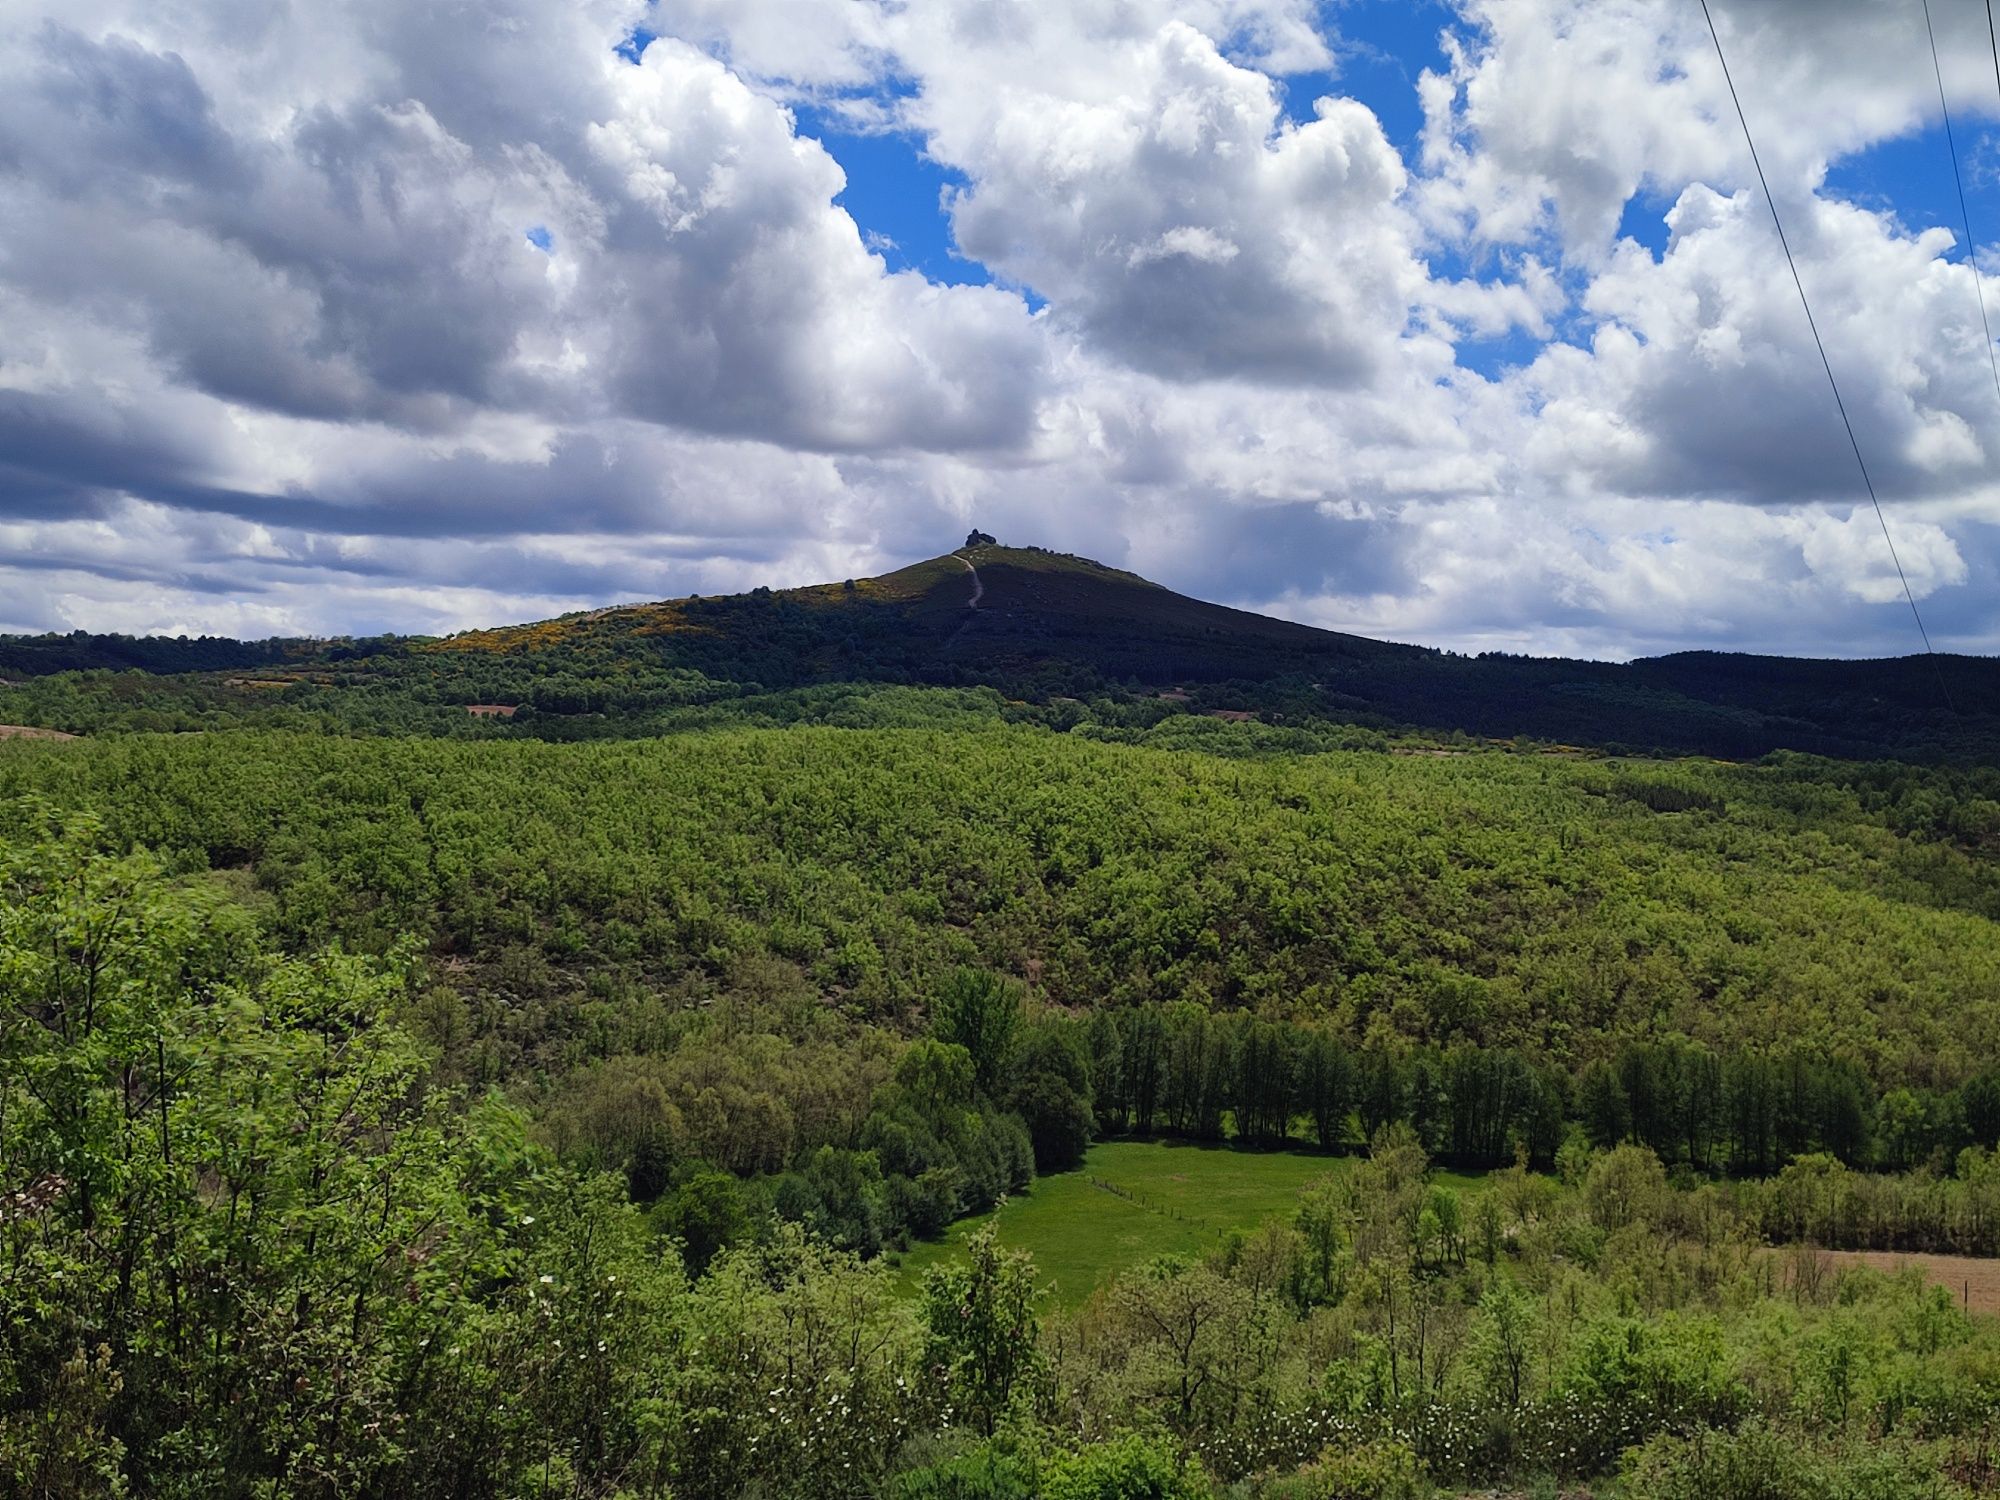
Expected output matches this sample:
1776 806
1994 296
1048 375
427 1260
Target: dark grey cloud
1301 549
66 457
134 117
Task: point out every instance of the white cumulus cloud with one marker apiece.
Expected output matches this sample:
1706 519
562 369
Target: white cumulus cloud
365 314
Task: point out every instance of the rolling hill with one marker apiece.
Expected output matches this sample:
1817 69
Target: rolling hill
1047 622
1045 628
1035 611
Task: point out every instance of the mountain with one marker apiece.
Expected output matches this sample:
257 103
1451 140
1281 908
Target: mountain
986 613
1036 623
1045 629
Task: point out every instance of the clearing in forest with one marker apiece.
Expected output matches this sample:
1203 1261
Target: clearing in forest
1133 1200
1973 1281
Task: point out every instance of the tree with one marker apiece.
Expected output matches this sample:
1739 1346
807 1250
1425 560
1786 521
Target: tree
1326 1087
789 1374
1647 1077
1701 1105
1263 1057
705 1213
1751 1097
619 1115
1145 1046
1979 1106
1503 1338
1199 1072
1107 1072
1381 1094
1321 1220
255 1224
1490 1094
1906 1128
1607 1113
1186 1321
1545 1118
936 1078
1443 1218
838 1195
1427 1103
1843 1116
1624 1186
979 1326
1051 1093
1123 1468
979 1011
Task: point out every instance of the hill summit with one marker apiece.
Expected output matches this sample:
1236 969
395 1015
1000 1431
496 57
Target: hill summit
986 610
1062 639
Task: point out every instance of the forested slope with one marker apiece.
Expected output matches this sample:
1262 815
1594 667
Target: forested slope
264 1235
1517 900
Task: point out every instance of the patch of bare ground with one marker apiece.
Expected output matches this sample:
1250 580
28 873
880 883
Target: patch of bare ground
1973 1281
31 732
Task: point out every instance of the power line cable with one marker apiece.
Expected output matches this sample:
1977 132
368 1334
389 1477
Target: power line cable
1820 344
1958 181
1993 42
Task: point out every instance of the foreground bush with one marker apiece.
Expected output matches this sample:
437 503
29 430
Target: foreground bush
1761 1464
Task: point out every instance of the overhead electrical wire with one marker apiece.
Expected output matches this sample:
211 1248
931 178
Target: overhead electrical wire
1993 42
1855 443
1958 181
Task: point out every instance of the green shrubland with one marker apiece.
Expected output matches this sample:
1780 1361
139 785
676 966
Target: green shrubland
390 1116
256 1245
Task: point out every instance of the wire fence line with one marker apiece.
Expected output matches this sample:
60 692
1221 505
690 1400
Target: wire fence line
1143 1201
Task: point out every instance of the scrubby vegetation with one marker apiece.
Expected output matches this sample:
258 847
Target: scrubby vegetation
1502 901
399 1099
257 1245
465 1113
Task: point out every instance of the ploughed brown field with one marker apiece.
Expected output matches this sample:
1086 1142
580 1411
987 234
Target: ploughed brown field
1971 1279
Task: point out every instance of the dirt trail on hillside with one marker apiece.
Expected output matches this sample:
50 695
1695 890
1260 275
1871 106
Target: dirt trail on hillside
978 593
978 588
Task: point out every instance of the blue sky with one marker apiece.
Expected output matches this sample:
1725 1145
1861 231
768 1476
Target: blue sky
896 195
1912 176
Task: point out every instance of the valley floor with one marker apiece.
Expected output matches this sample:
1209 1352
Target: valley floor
1133 1201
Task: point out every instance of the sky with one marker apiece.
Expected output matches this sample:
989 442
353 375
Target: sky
1463 323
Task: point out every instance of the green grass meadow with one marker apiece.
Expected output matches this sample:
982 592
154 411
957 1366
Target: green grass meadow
1132 1201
